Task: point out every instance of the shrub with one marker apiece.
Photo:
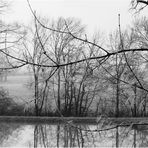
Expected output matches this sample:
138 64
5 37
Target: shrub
8 106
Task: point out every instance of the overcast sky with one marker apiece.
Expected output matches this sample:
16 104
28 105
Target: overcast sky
95 14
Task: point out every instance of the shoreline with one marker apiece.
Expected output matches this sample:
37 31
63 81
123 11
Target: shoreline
44 119
83 120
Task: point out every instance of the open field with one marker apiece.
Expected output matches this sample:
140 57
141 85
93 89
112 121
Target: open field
16 85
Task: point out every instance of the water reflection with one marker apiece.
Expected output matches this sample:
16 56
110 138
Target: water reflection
70 135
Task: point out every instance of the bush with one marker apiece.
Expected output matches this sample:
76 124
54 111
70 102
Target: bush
8 106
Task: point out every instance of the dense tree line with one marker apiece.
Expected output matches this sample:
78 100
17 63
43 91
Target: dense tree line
75 75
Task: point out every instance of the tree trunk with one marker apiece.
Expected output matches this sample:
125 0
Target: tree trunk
59 101
135 99
36 96
117 88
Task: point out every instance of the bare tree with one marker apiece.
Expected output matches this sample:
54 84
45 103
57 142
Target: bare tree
139 5
3 6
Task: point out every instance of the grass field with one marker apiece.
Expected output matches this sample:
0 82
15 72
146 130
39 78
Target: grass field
16 85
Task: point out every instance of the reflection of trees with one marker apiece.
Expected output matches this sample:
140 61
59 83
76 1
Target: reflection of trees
137 136
123 137
6 130
76 135
71 135
63 135
117 137
141 134
41 136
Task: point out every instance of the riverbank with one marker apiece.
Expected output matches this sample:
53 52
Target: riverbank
34 119
83 120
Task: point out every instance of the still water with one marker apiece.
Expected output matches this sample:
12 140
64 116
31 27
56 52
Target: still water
70 135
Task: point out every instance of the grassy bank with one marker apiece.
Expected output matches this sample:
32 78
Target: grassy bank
33 119
83 120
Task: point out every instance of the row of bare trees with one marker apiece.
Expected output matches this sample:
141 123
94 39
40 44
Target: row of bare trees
83 79
75 75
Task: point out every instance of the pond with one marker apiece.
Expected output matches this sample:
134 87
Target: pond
39 135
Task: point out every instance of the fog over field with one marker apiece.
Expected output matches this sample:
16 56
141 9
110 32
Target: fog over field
17 87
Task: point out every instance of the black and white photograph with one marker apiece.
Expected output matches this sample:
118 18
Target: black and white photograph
73 73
